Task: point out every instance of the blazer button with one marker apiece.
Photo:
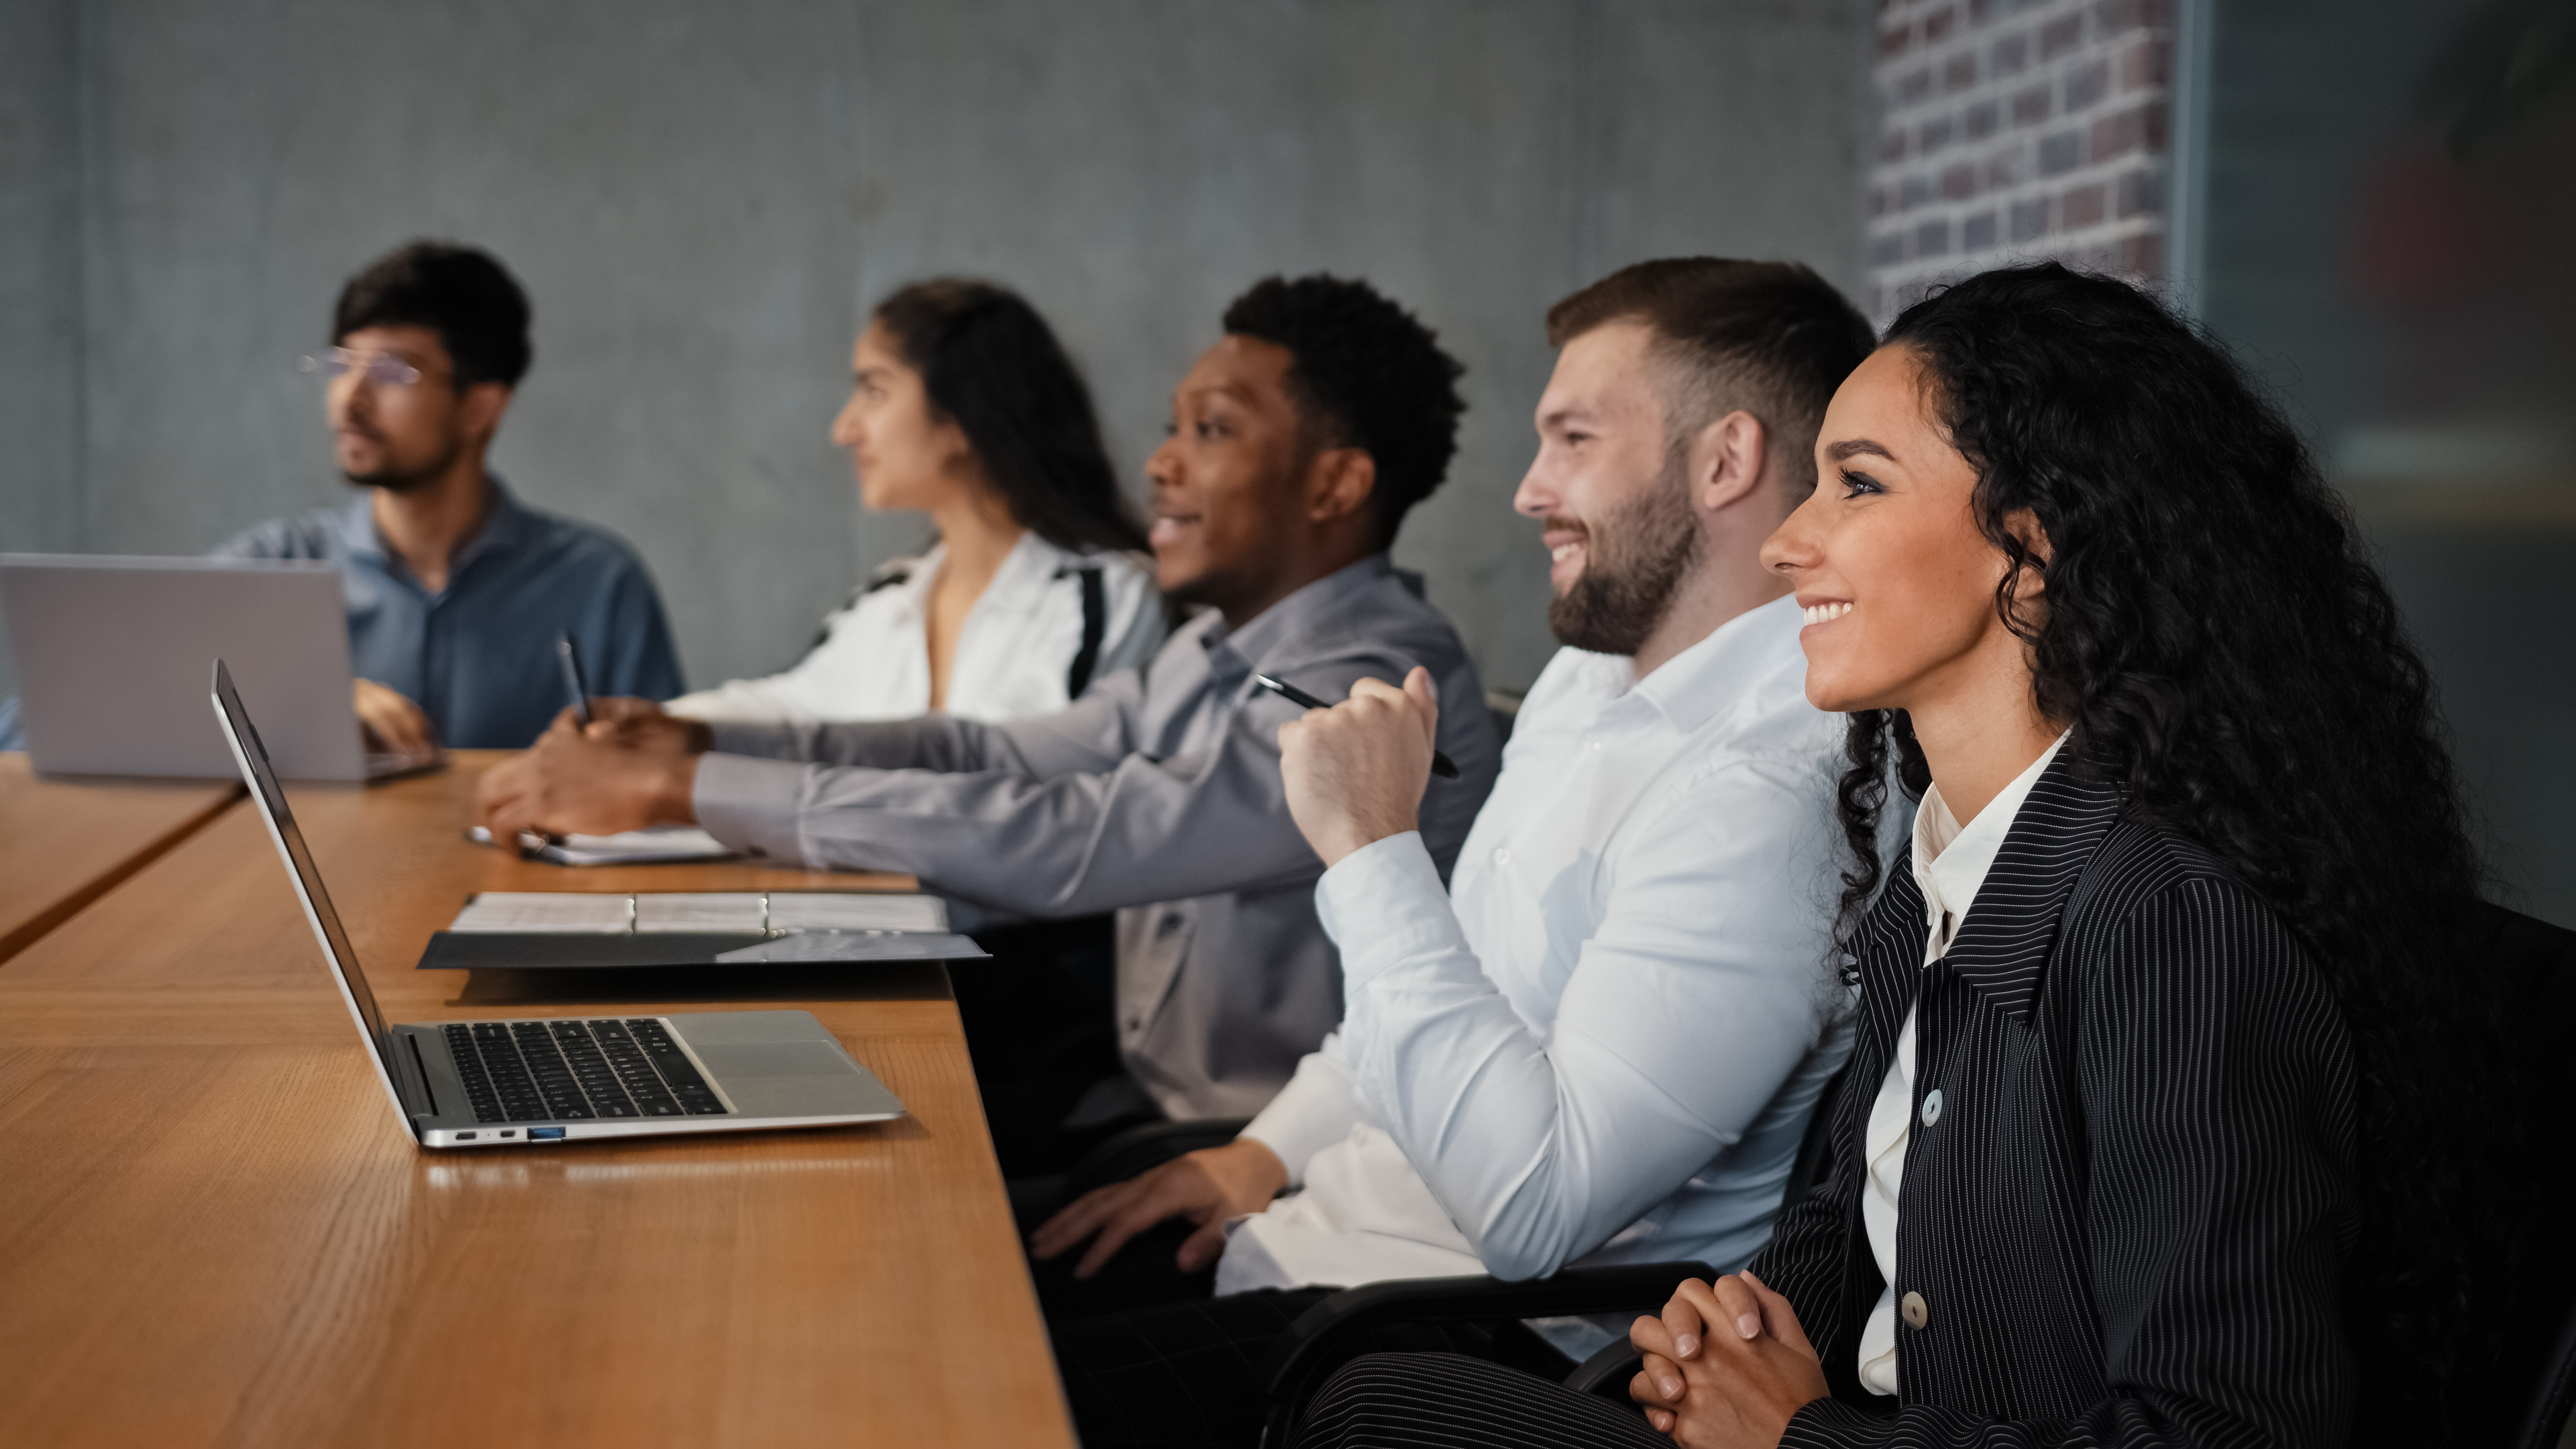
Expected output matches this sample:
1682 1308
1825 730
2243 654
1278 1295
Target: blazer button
1916 1313
1932 1106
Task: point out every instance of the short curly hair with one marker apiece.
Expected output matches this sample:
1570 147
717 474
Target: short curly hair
1365 374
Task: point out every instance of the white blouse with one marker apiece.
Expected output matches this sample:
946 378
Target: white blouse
1015 655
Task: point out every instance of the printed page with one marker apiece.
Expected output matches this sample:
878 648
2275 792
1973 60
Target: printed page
637 847
855 911
546 911
699 911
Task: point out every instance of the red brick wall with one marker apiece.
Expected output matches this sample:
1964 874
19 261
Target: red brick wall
2012 129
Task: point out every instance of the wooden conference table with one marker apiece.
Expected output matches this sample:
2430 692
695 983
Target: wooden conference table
64 845
213 1231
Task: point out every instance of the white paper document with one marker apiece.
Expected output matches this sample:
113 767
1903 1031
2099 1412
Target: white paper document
855 911
659 845
775 913
546 911
702 911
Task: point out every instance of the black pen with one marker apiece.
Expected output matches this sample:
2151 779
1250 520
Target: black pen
579 687
1441 765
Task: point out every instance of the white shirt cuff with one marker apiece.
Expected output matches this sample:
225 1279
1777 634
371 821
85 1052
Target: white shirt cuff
1384 903
1317 1108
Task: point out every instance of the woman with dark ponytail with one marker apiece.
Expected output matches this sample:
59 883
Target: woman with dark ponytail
964 407
2166 1122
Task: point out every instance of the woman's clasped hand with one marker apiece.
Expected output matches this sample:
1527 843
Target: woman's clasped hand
1726 1365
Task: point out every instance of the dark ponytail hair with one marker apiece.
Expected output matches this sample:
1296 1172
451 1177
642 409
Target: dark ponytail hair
2217 638
991 364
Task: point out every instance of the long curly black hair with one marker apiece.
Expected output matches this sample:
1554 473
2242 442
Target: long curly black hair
2217 638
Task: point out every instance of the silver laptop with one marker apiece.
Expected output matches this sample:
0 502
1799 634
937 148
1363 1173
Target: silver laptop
508 1083
112 651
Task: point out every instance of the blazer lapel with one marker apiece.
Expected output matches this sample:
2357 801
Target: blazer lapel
1889 948
2002 947
1891 960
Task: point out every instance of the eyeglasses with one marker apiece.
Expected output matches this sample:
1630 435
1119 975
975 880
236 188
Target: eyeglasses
381 368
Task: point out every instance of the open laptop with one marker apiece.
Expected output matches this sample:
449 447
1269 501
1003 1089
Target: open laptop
501 1083
111 652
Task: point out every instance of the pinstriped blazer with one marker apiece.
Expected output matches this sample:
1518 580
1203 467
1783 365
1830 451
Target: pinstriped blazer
2129 1219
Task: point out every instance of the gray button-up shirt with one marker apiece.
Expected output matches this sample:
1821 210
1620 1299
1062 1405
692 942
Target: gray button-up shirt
1156 795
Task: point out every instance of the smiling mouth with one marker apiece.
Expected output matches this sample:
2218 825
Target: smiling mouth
1563 551
1826 613
1168 526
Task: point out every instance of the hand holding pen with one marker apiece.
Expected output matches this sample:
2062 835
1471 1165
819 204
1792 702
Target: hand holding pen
1358 773
576 684
1441 765
533 844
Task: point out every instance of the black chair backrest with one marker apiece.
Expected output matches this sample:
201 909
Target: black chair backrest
2552 1400
2525 1401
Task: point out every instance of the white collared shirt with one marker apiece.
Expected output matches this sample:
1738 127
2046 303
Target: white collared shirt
1950 865
1603 1043
1014 655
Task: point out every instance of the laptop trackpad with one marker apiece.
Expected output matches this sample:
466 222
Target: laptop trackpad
747 1061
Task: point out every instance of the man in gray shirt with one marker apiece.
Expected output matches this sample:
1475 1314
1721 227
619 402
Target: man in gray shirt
1297 443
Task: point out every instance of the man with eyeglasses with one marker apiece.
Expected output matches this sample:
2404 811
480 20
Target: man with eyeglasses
456 590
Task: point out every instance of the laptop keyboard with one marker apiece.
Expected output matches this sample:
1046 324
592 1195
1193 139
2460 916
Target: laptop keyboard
576 1071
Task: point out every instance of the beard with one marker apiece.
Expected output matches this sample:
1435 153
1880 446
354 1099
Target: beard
1633 564
403 478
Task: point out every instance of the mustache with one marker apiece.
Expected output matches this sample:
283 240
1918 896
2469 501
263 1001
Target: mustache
1559 523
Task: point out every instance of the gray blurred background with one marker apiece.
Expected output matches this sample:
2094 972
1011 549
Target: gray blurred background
2370 198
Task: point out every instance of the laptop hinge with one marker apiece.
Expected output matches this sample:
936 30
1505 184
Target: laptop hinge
416 1088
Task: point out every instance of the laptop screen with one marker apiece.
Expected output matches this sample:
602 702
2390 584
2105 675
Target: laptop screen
256 772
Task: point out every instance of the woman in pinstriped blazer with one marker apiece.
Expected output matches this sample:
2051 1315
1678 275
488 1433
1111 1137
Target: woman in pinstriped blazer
2164 1127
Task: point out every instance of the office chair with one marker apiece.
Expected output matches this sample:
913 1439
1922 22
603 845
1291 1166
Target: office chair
2526 1402
1332 1332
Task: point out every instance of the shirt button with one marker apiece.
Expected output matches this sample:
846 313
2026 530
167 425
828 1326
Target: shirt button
1932 1107
1502 855
1135 1023
1916 1312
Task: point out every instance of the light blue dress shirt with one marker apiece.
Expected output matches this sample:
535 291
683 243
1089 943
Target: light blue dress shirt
478 656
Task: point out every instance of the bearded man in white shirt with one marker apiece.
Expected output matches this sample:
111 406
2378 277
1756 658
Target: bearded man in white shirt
1604 1042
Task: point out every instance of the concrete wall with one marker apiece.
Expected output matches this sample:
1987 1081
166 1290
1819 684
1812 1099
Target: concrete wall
40 269
702 200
